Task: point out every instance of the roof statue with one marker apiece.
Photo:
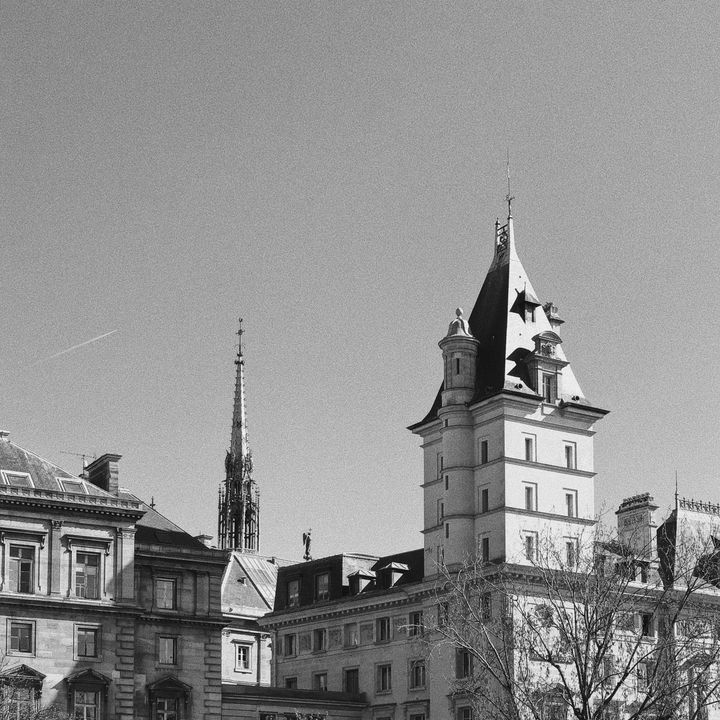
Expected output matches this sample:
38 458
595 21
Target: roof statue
238 502
306 544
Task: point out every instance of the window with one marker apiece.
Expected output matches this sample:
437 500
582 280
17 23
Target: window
351 680
319 640
322 586
417 674
415 623
291 683
165 594
73 486
530 497
554 707
350 635
447 530
382 629
646 625
440 465
17 479
87 706
167 650
22 637
549 387
19 701
293 593
571 557
22 562
465 713
87 642
417 716
167 709
243 655
457 366
447 481
571 503
644 673
87 575
463 664
570 456
383 678
290 645
486 606
484 499
530 448
320 681
440 511
485 549
531 546
483 452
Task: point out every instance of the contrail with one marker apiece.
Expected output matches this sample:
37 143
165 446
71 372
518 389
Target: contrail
74 347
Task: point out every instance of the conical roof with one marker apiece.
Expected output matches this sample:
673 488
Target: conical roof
505 320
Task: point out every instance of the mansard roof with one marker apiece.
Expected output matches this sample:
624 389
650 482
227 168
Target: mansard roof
44 474
505 319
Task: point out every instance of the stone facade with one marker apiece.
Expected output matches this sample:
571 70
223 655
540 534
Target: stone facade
109 610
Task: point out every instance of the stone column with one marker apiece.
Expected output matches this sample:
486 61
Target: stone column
55 557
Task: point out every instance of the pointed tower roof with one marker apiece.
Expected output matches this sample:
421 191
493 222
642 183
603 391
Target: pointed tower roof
238 502
507 320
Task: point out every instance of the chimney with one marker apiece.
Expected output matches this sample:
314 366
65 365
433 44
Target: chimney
103 472
637 527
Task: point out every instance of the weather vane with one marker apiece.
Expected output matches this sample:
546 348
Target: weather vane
509 198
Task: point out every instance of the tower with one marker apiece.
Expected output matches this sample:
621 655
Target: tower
238 502
508 442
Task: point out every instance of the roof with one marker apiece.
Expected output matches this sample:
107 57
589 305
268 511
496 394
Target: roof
248 585
44 474
155 529
340 568
505 330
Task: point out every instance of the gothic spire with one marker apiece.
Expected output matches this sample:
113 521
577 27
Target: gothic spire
238 505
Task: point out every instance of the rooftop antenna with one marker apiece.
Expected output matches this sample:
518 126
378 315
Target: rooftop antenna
509 198
84 457
676 490
152 502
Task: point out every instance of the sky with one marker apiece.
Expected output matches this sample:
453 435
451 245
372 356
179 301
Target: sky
331 172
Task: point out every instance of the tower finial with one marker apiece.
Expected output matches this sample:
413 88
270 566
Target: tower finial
509 198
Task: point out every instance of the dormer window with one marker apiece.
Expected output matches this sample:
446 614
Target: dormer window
73 486
545 367
17 479
549 387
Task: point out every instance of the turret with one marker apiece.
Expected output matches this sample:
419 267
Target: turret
459 349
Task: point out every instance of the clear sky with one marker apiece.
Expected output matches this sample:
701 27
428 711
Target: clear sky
331 172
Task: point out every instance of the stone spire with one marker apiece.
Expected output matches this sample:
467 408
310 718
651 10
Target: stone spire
238 504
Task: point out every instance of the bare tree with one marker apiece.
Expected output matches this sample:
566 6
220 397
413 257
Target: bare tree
601 634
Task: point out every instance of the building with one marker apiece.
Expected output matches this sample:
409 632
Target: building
109 610
508 457
508 473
